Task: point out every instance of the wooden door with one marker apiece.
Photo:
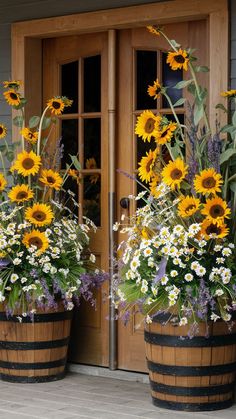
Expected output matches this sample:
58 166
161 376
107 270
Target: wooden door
76 67
142 58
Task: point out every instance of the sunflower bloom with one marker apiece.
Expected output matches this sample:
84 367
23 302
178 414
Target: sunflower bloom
188 206
20 193
75 175
3 182
210 230
165 133
153 186
229 93
30 136
155 90
174 173
216 210
12 84
153 29
39 214
36 238
208 182
146 165
91 164
147 125
3 131
12 97
51 179
178 60
27 163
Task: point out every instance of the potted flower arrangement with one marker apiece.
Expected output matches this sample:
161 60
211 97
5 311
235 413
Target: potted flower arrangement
177 263
45 262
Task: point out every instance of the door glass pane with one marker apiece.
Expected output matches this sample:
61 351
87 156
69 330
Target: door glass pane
69 85
170 78
92 142
69 132
92 84
146 74
92 193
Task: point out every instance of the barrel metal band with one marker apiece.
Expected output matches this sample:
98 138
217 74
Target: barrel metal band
36 379
28 346
32 365
39 318
185 371
197 341
165 404
191 391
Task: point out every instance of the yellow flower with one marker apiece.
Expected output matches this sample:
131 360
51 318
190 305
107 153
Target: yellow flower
3 182
209 228
165 133
39 214
146 165
154 90
174 173
3 131
12 84
208 182
153 186
29 135
12 97
91 164
216 210
147 125
20 193
153 29
36 238
75 175
56 105
27 163
51 179
188 206
178 59
2 254
229 93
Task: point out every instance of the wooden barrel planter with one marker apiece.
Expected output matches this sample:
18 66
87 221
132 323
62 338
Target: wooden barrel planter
196 374
34 352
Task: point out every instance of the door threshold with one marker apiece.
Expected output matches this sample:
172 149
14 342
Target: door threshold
105 372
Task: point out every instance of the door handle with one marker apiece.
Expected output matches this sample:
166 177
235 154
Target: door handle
124 203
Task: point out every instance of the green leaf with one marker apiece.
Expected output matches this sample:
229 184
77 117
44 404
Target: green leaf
22 103
10 155
234 118
179 102
174 43
198 114
227 155
233 186
182 84
192 89
34 121
75 162
222 107
2 148
228 128
202 68
18 121
185 185
46 122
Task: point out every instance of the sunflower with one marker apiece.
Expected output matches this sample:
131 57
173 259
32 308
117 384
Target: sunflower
12 97
188 206
153 29
174 173
165 133
147 125
75 175
216 210
20 193
39 214
178 59
29 135
3 182
154 90
155 181
146 165
210 229
12 84
56 105
27 163
36 238
229 93
3 131
91 164
51 179
208 182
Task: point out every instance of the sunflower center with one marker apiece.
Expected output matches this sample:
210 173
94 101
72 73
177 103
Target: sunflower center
190 207
56 105
176 174
13 96
36 241
209 182
28 163
164 132
39 215
158 89
21 195
149 126
213 229
179 59
31 135
148 166
1 130
50 180
217 211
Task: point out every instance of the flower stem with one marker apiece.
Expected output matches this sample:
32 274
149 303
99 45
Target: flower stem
40 130
3 165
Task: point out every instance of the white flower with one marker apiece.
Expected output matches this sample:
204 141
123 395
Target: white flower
144 287
135 263
173 273
154 291
194 266
64 271
178 230
226 317
116 226
172 302
226 251
164 280
183 321
92 258
147 252
53 270
188 277
214 317
217 248
13 278
16 261
2 298
23 279
231 245
148 319
219 292
220 260
200 271
194 228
